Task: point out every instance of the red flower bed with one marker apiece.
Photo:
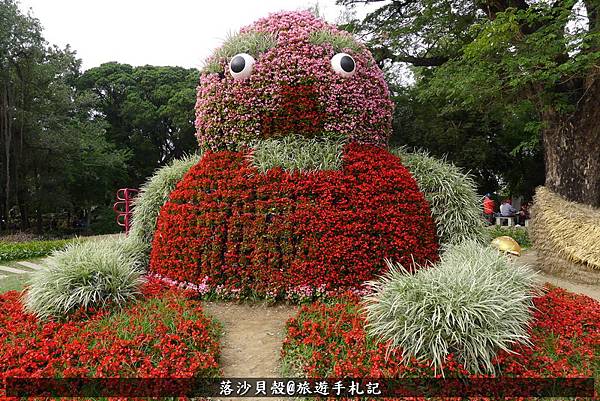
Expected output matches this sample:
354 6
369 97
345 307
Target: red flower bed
229 227
329 340
163 335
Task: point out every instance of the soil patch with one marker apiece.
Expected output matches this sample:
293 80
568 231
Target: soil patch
252 339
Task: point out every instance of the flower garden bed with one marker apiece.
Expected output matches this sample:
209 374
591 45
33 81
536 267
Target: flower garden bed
329 340
163 334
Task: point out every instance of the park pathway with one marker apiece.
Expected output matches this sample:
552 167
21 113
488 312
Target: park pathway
252 338
20 267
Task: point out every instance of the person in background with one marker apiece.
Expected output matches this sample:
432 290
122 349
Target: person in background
488 207
524 213
506 209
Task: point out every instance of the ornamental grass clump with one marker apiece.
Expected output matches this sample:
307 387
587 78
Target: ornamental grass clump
153 194
472 304
243 42
297 153
451 194
85 275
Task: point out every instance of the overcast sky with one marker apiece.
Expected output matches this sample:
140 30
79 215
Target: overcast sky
157 32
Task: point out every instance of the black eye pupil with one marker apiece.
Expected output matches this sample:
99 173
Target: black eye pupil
347 64
237 64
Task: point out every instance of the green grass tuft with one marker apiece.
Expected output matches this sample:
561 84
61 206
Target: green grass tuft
298 153
338 41
455 205
253 43
88 274
473 303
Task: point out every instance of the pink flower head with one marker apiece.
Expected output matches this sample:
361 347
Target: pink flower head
293 86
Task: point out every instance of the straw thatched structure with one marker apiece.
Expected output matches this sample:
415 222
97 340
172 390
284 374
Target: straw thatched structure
566 236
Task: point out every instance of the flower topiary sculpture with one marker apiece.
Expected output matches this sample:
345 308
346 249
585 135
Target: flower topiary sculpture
313 227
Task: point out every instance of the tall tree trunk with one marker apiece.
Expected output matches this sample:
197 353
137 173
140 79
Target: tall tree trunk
572 149
24 213
39 226
7 130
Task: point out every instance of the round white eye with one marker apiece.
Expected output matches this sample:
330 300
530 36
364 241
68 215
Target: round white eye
343 64
241 66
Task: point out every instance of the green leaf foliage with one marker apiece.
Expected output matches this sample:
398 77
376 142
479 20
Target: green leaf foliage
29 249
487 78
148 112
298 153
519 234
153 194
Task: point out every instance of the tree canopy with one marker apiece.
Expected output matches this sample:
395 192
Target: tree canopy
149 111
516 76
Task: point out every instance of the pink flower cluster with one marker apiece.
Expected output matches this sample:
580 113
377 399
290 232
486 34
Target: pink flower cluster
294 90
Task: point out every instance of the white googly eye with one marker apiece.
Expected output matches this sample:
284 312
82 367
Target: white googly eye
343 64
241 66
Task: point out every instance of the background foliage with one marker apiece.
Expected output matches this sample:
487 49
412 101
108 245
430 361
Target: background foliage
487 82
70 139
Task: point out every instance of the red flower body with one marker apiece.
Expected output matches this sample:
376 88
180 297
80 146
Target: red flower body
274 232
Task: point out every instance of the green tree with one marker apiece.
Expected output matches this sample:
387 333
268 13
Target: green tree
21 47
506 58
55 154
149 111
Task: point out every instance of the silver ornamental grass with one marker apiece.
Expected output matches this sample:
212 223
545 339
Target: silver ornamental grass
298 153
154 193
472 303
87 274
455 205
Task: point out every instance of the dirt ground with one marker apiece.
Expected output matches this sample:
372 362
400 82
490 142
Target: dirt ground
252 338
253 334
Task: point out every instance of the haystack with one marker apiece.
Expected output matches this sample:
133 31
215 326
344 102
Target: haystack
567 237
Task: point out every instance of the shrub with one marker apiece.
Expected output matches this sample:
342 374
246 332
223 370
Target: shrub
163 334
228 227
29 249
88 274
330 340
451 194
473 303
296 152
520 235
153 194
104 221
